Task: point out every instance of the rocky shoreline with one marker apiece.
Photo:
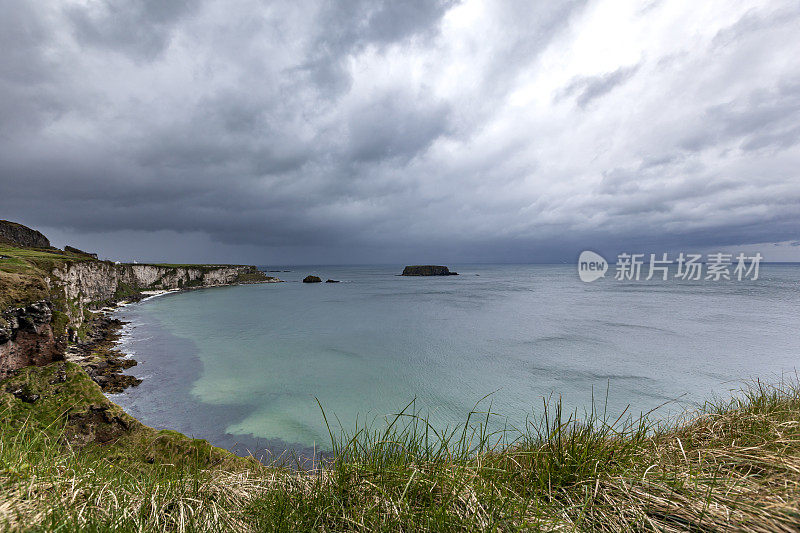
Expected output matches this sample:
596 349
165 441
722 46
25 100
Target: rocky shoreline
100 358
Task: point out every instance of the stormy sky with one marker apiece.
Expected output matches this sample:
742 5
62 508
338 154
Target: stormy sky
368 131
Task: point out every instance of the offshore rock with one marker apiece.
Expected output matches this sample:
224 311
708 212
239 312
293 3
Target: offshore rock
428 270
312 279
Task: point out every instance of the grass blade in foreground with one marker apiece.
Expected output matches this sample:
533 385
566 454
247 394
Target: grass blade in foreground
731 466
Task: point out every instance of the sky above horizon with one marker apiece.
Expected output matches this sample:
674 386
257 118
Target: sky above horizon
368 131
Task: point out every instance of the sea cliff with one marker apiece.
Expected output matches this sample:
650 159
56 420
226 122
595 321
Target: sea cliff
48 297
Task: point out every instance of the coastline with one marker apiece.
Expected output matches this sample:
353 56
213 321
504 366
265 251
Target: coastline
99 354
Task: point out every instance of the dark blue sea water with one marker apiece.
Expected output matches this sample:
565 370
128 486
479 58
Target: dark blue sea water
246 364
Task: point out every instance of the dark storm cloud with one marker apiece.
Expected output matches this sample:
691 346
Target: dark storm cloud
361 131
395 125
28 79
351 25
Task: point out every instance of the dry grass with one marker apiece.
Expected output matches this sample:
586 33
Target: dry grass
729 467
20 289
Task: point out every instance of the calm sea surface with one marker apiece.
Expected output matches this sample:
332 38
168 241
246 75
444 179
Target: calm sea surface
242 366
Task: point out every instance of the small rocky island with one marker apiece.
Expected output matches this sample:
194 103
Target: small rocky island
312 279
428 270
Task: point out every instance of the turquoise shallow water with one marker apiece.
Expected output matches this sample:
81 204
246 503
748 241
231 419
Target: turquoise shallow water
245 364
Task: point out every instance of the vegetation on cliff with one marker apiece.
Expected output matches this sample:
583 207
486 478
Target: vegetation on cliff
60 402
23 272
69 459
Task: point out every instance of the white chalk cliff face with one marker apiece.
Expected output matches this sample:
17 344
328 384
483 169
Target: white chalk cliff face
93 281
28 336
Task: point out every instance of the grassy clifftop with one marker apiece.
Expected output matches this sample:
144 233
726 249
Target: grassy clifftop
731 466
23 272
74 282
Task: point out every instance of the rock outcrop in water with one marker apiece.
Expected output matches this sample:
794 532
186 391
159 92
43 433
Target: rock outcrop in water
312 279
428 270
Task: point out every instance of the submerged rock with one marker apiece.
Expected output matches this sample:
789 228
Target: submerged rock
428 270
312 279
331 281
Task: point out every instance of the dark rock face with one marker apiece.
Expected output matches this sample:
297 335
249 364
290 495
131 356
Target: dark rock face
20 235
98 424
26 338
428 270
312 279
331 281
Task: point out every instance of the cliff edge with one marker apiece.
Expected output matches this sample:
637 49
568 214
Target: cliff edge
47 296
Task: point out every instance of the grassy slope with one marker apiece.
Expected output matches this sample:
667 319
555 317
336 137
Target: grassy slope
732 466
22 273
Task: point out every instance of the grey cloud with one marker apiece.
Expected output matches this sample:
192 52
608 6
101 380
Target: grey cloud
763 119
587 89
527 30
268 131
22 38
141 28
395 125
658 161
351 25
27 76
755 22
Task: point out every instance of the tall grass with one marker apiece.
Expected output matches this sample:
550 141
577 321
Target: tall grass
732 465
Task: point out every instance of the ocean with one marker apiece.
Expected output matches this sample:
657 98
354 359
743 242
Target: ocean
248 367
